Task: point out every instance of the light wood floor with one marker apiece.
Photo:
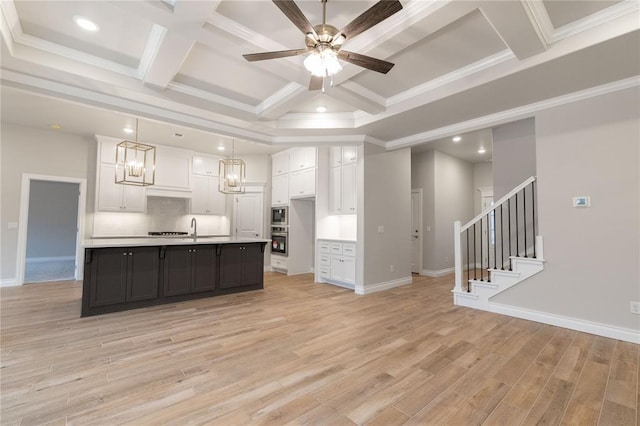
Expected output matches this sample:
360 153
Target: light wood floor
304 353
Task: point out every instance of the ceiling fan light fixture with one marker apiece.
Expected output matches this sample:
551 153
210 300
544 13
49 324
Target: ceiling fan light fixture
323 63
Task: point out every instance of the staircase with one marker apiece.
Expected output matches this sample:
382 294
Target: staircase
497 249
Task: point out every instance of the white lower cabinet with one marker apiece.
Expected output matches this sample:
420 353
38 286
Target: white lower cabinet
206 199
278 263
337 262
118 197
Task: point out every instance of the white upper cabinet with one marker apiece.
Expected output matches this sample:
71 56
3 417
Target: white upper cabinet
303 183
342 180
117 197
280 163
341 155
302 158
280 190
206 165
206 199
173 168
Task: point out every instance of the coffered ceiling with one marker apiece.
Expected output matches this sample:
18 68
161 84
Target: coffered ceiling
460 65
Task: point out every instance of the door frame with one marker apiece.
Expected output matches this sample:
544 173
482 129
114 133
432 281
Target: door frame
23 220
418 191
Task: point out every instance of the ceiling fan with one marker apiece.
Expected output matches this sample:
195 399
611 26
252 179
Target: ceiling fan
324 42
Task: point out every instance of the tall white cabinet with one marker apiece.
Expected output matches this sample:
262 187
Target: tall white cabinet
343 180
205 198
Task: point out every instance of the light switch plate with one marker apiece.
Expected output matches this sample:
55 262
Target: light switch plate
12 225
582 201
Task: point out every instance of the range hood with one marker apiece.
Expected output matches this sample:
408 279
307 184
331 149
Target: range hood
167 193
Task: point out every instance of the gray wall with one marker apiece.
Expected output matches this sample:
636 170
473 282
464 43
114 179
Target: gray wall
448 195
29 150
454 193
53 218
387 202
592 271
514 155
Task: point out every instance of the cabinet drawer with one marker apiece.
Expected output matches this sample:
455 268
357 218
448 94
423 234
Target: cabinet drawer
348 249
336 248
325 260
278 262
325 272
324 247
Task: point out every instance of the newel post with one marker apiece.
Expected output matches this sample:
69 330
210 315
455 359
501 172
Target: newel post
457 249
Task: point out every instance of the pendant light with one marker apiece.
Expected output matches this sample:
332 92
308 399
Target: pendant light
231 174
135 162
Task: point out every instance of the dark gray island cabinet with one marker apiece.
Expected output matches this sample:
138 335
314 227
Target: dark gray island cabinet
140 274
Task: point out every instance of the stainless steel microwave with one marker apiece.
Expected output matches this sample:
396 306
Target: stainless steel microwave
279 216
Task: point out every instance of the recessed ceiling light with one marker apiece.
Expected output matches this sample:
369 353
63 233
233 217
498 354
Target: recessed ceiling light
128 130
321 108
85 23
220 147
482 151
457 138
55 126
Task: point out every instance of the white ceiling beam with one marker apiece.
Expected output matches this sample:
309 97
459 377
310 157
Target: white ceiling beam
170 51
290 96
517 28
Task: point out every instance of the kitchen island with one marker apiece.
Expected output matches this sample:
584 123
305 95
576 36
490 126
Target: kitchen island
129 273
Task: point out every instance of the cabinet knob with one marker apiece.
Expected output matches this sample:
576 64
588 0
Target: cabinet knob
124 254
130 254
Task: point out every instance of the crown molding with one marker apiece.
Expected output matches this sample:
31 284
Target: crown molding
512 114
321 140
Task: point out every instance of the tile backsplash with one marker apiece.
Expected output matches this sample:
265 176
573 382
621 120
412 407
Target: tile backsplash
163 214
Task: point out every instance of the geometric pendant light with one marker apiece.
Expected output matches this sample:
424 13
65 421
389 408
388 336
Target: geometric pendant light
135 162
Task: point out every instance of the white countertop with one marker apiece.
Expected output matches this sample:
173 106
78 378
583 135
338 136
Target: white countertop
172 241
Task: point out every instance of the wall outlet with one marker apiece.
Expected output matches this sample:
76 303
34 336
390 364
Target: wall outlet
12 225
392 268
380 229
635 308
446 258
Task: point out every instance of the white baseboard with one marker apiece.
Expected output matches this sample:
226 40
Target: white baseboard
438 273
599 329
372 288
8 282
49 259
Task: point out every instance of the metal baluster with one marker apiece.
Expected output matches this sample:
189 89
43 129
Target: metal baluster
517 229
509 218
502 236
533 210
524 217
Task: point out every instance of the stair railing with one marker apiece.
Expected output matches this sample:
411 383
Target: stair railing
506 228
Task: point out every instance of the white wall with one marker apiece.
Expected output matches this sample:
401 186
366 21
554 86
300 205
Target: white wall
53 218
386 202
44 152
592 268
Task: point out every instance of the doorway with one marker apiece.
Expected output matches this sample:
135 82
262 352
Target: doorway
50 239
416 231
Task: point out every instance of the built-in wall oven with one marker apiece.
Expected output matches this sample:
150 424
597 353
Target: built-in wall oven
279 243
279 216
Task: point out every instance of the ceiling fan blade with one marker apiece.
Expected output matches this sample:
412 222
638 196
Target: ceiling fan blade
316 82
295 15
366 61
372 16
273 55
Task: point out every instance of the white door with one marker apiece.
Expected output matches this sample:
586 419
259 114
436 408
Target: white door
416 231
249 215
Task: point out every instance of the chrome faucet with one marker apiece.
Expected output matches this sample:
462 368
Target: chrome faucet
194 225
